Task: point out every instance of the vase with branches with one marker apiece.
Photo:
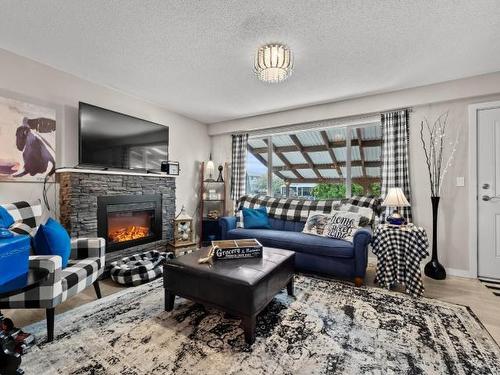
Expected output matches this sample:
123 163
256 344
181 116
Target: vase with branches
439 155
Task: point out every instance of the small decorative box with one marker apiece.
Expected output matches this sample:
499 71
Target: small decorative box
14 257
237 249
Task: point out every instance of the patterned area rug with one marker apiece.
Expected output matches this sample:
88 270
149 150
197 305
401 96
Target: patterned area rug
328 328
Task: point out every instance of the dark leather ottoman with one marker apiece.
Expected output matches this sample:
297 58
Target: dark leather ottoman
241 287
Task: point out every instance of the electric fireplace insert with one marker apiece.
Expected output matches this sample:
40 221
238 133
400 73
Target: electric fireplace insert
129 220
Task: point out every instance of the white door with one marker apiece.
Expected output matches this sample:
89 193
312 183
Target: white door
488 188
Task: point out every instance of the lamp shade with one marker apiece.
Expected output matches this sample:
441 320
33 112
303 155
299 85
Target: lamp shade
395 198
210 169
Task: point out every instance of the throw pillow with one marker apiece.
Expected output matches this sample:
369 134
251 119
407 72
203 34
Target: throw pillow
366 201
367 213
256 218
342 225
6 219
316 223
52 239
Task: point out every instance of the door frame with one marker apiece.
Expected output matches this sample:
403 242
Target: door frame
473 212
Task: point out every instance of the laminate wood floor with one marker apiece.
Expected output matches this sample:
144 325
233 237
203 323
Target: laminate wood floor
458 290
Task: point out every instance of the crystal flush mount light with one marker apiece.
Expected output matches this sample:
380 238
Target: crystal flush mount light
273 63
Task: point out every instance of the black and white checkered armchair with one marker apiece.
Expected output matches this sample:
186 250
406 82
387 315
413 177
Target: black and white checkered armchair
86 265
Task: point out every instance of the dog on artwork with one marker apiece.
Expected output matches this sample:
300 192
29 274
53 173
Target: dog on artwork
36 155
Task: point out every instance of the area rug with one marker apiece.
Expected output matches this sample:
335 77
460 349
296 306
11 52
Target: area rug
329 327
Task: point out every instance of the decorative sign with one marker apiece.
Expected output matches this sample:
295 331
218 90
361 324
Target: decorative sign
239 253
237 249
28 134
233 249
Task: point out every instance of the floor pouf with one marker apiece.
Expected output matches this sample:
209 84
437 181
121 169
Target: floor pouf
139 268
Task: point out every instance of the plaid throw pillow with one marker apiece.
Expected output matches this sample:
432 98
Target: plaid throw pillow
375 203
27 216
367 214
361 201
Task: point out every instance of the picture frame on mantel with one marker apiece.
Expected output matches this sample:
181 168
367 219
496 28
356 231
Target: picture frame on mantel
28 133
170 167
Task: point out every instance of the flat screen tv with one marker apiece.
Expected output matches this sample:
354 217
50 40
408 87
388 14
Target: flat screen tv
112 140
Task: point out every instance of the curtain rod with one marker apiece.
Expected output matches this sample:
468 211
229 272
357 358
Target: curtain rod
320 123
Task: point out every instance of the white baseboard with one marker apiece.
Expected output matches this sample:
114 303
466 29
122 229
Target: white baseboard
488 279
460 273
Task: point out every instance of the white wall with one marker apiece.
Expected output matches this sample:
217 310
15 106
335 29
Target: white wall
487 84
24 79
430 102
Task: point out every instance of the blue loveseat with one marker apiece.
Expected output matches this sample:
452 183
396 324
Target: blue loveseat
316 254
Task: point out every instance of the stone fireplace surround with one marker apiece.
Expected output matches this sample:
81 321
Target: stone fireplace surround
79 190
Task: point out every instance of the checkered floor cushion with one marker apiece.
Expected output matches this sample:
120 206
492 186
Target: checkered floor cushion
139 268
79 275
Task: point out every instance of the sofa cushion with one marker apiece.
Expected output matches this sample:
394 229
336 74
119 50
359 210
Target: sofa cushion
287 225
296 241
256 218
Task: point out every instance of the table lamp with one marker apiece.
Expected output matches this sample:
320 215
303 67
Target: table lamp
395 198
210 169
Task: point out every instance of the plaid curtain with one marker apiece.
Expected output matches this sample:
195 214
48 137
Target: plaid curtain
395 156
238 165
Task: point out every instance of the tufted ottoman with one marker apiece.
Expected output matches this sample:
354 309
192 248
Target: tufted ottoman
242 287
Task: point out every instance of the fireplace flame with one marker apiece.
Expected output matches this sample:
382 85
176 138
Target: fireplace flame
129 233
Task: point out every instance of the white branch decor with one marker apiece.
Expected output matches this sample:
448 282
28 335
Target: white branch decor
435 148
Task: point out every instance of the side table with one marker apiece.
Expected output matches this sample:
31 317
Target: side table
399 251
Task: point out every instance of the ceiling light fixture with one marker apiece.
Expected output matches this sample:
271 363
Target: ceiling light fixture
273 63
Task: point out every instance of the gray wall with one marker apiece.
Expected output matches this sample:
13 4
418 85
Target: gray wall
27 80
427 102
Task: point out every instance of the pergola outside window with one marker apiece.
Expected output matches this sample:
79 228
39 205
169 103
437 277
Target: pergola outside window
336 162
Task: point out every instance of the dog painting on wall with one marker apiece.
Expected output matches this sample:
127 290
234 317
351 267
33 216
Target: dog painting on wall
27 141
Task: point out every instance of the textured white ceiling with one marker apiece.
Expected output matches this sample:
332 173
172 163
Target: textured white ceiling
195 57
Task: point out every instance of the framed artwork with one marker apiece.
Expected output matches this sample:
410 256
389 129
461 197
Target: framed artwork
28 141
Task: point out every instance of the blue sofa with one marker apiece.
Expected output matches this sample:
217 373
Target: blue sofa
313 254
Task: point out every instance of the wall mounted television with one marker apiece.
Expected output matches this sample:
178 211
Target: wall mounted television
113 140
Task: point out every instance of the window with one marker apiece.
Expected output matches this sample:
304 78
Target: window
336 162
